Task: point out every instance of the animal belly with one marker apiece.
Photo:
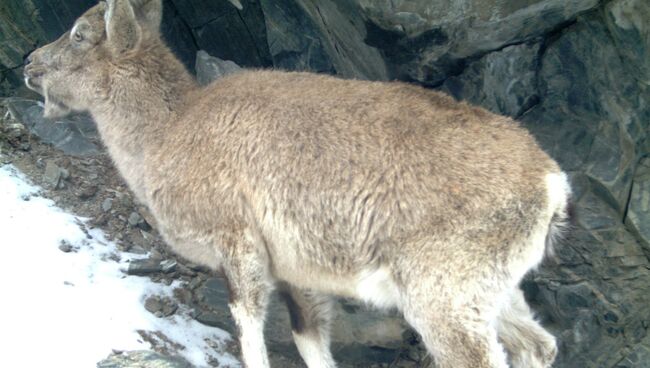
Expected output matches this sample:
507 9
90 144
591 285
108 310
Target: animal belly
374 286
305 261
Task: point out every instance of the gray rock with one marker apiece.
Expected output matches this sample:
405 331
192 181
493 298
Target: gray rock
148 266
142 359
210 68
426 41
503 81
54 175
592 213
213 294
147 216
135 219
153 304
107 204
223 30
178 35
639 357
86 191
215 320
294 40
142 267
627 21
74 135
168 265
66 247
160 307
325 37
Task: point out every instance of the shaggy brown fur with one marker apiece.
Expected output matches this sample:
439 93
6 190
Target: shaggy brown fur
386 192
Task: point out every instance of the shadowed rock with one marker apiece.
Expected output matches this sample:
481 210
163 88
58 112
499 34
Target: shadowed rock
74 135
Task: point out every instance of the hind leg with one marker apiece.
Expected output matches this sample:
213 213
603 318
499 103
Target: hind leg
527 343
310 314
456 323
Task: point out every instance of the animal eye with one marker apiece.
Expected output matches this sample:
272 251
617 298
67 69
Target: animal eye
77 36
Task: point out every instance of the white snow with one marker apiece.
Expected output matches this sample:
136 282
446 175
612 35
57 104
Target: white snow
72 309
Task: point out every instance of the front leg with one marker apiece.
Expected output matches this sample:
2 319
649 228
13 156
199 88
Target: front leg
250 284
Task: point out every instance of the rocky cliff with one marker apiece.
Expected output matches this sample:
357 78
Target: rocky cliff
576 73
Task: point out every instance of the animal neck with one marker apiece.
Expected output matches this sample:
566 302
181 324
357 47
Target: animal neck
144 94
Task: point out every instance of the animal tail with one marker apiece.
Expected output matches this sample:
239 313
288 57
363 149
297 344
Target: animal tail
562 207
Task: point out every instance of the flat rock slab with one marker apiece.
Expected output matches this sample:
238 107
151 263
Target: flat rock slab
142 267
142 359
75 135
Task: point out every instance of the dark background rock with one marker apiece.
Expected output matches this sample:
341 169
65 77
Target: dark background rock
482 82
321 36
427 41
222 30
575 73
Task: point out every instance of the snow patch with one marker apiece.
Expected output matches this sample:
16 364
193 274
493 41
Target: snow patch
72 309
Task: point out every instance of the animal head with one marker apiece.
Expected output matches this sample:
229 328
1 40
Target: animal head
72 72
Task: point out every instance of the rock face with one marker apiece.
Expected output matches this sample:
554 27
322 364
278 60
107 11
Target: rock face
225 31
576 73
321 36
142 359
482 82
427 41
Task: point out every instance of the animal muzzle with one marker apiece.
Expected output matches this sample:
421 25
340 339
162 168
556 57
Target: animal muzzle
33 73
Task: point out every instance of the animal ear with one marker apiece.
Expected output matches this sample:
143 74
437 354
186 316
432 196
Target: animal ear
149 14
122 29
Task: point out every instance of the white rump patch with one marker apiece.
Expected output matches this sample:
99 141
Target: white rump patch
377 288
549 226
559 192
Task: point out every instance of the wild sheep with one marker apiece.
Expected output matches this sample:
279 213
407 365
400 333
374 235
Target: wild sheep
385 192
